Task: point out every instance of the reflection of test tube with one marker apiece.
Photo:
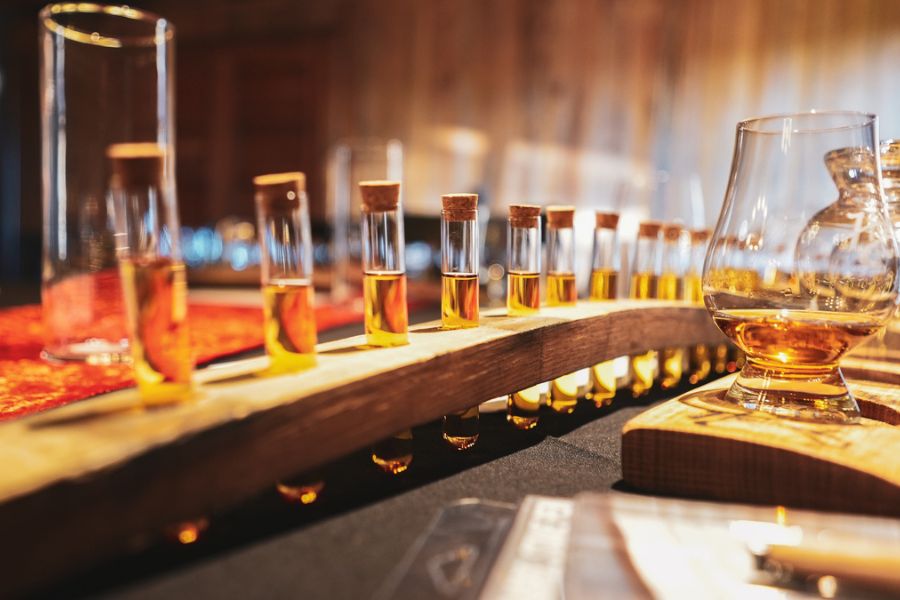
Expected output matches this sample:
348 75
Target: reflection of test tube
384 295
459 294
153 275
286 267
561 291
604 286
523 296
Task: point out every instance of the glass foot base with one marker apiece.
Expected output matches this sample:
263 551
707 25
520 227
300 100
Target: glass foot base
93 352
821 397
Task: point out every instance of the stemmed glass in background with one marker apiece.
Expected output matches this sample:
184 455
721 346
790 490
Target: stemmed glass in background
803 262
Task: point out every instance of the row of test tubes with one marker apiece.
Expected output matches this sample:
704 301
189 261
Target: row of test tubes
667 265
155 291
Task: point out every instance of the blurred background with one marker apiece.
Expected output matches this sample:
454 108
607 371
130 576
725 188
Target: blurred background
628 105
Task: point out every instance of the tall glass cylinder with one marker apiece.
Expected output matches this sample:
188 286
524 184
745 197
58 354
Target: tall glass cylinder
561 289
106 78
384 268
523 294
286 265
459 261
644 277
154 282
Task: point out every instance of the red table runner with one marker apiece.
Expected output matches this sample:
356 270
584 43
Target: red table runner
29 384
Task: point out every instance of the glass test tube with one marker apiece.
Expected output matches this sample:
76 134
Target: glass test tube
286 269
154 283
604 286
459 294
384 295
670 286
644 275
561 291
523 296
700 355
289 319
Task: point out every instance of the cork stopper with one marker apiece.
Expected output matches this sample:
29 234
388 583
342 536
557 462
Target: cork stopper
379 196
459 207
672 231
135 165
606 220
560 217
649 229
700 235
524 215
279 192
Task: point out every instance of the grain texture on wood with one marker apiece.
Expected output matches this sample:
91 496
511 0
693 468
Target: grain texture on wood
95 476
697 446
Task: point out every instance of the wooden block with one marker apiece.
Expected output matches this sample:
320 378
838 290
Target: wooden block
94 477
698 447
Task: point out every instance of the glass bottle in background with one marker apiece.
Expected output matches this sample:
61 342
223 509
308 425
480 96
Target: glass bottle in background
154 282
286 268
604 286
562 291
459 294
289 319
670 286
523 297
699 355
95 62
644 275
384 295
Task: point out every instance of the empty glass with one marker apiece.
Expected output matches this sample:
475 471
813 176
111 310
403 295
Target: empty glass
803 262
106 78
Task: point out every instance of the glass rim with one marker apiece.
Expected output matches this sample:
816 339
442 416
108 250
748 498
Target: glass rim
163 30
752 125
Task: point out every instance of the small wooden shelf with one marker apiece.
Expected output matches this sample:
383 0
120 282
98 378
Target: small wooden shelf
86 481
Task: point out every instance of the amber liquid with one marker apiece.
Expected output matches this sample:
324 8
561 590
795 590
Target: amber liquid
459 301
304 489
561 290
394 454
604 283
289 324
720 359
671 360
523 296
461 428
644 367
523 408
155 294
564 394
384 296
794 340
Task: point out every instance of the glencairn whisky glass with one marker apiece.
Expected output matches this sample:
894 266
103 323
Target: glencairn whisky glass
803 262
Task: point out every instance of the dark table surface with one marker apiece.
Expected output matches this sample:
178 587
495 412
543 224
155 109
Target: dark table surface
347 542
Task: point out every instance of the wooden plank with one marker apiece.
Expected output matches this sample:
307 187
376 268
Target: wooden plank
695 446
94 477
